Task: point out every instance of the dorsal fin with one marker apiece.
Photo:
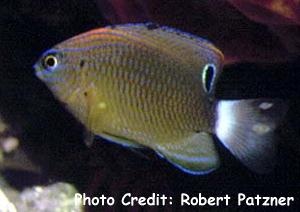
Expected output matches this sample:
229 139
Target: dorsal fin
160 35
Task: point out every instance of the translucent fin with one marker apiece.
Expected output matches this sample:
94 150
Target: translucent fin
246 128
165 37
120 140
88 138
195 155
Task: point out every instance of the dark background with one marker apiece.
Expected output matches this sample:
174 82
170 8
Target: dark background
53 139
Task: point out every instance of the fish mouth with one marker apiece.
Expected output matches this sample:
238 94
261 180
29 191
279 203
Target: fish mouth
35 67
37 70
39 75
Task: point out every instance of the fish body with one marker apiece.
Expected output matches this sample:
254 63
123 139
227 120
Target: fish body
142 85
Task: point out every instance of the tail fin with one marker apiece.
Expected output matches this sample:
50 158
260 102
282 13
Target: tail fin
246 128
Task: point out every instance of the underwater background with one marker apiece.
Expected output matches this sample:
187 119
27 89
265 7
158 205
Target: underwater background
261 44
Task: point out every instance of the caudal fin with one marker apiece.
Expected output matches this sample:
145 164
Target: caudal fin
246 128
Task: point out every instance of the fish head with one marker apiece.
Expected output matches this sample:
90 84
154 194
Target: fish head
62 72
52 68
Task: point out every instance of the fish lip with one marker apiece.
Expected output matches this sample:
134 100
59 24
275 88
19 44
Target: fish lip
35 67
37 70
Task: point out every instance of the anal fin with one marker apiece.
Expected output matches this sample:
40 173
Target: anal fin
195 154
120 140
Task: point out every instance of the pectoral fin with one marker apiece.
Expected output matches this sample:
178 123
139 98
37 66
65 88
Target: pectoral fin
88 138
195 154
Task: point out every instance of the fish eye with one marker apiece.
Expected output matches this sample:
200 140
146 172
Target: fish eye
208 76
50 61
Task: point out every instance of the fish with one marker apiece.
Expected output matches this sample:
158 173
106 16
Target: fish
144 85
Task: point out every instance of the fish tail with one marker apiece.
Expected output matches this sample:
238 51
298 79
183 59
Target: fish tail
246 128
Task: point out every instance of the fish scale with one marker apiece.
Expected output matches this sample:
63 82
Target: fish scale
131 93
155 115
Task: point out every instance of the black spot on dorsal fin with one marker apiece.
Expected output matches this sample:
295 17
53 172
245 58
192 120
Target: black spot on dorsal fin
152 26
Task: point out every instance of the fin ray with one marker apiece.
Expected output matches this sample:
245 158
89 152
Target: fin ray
246 128
196 154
